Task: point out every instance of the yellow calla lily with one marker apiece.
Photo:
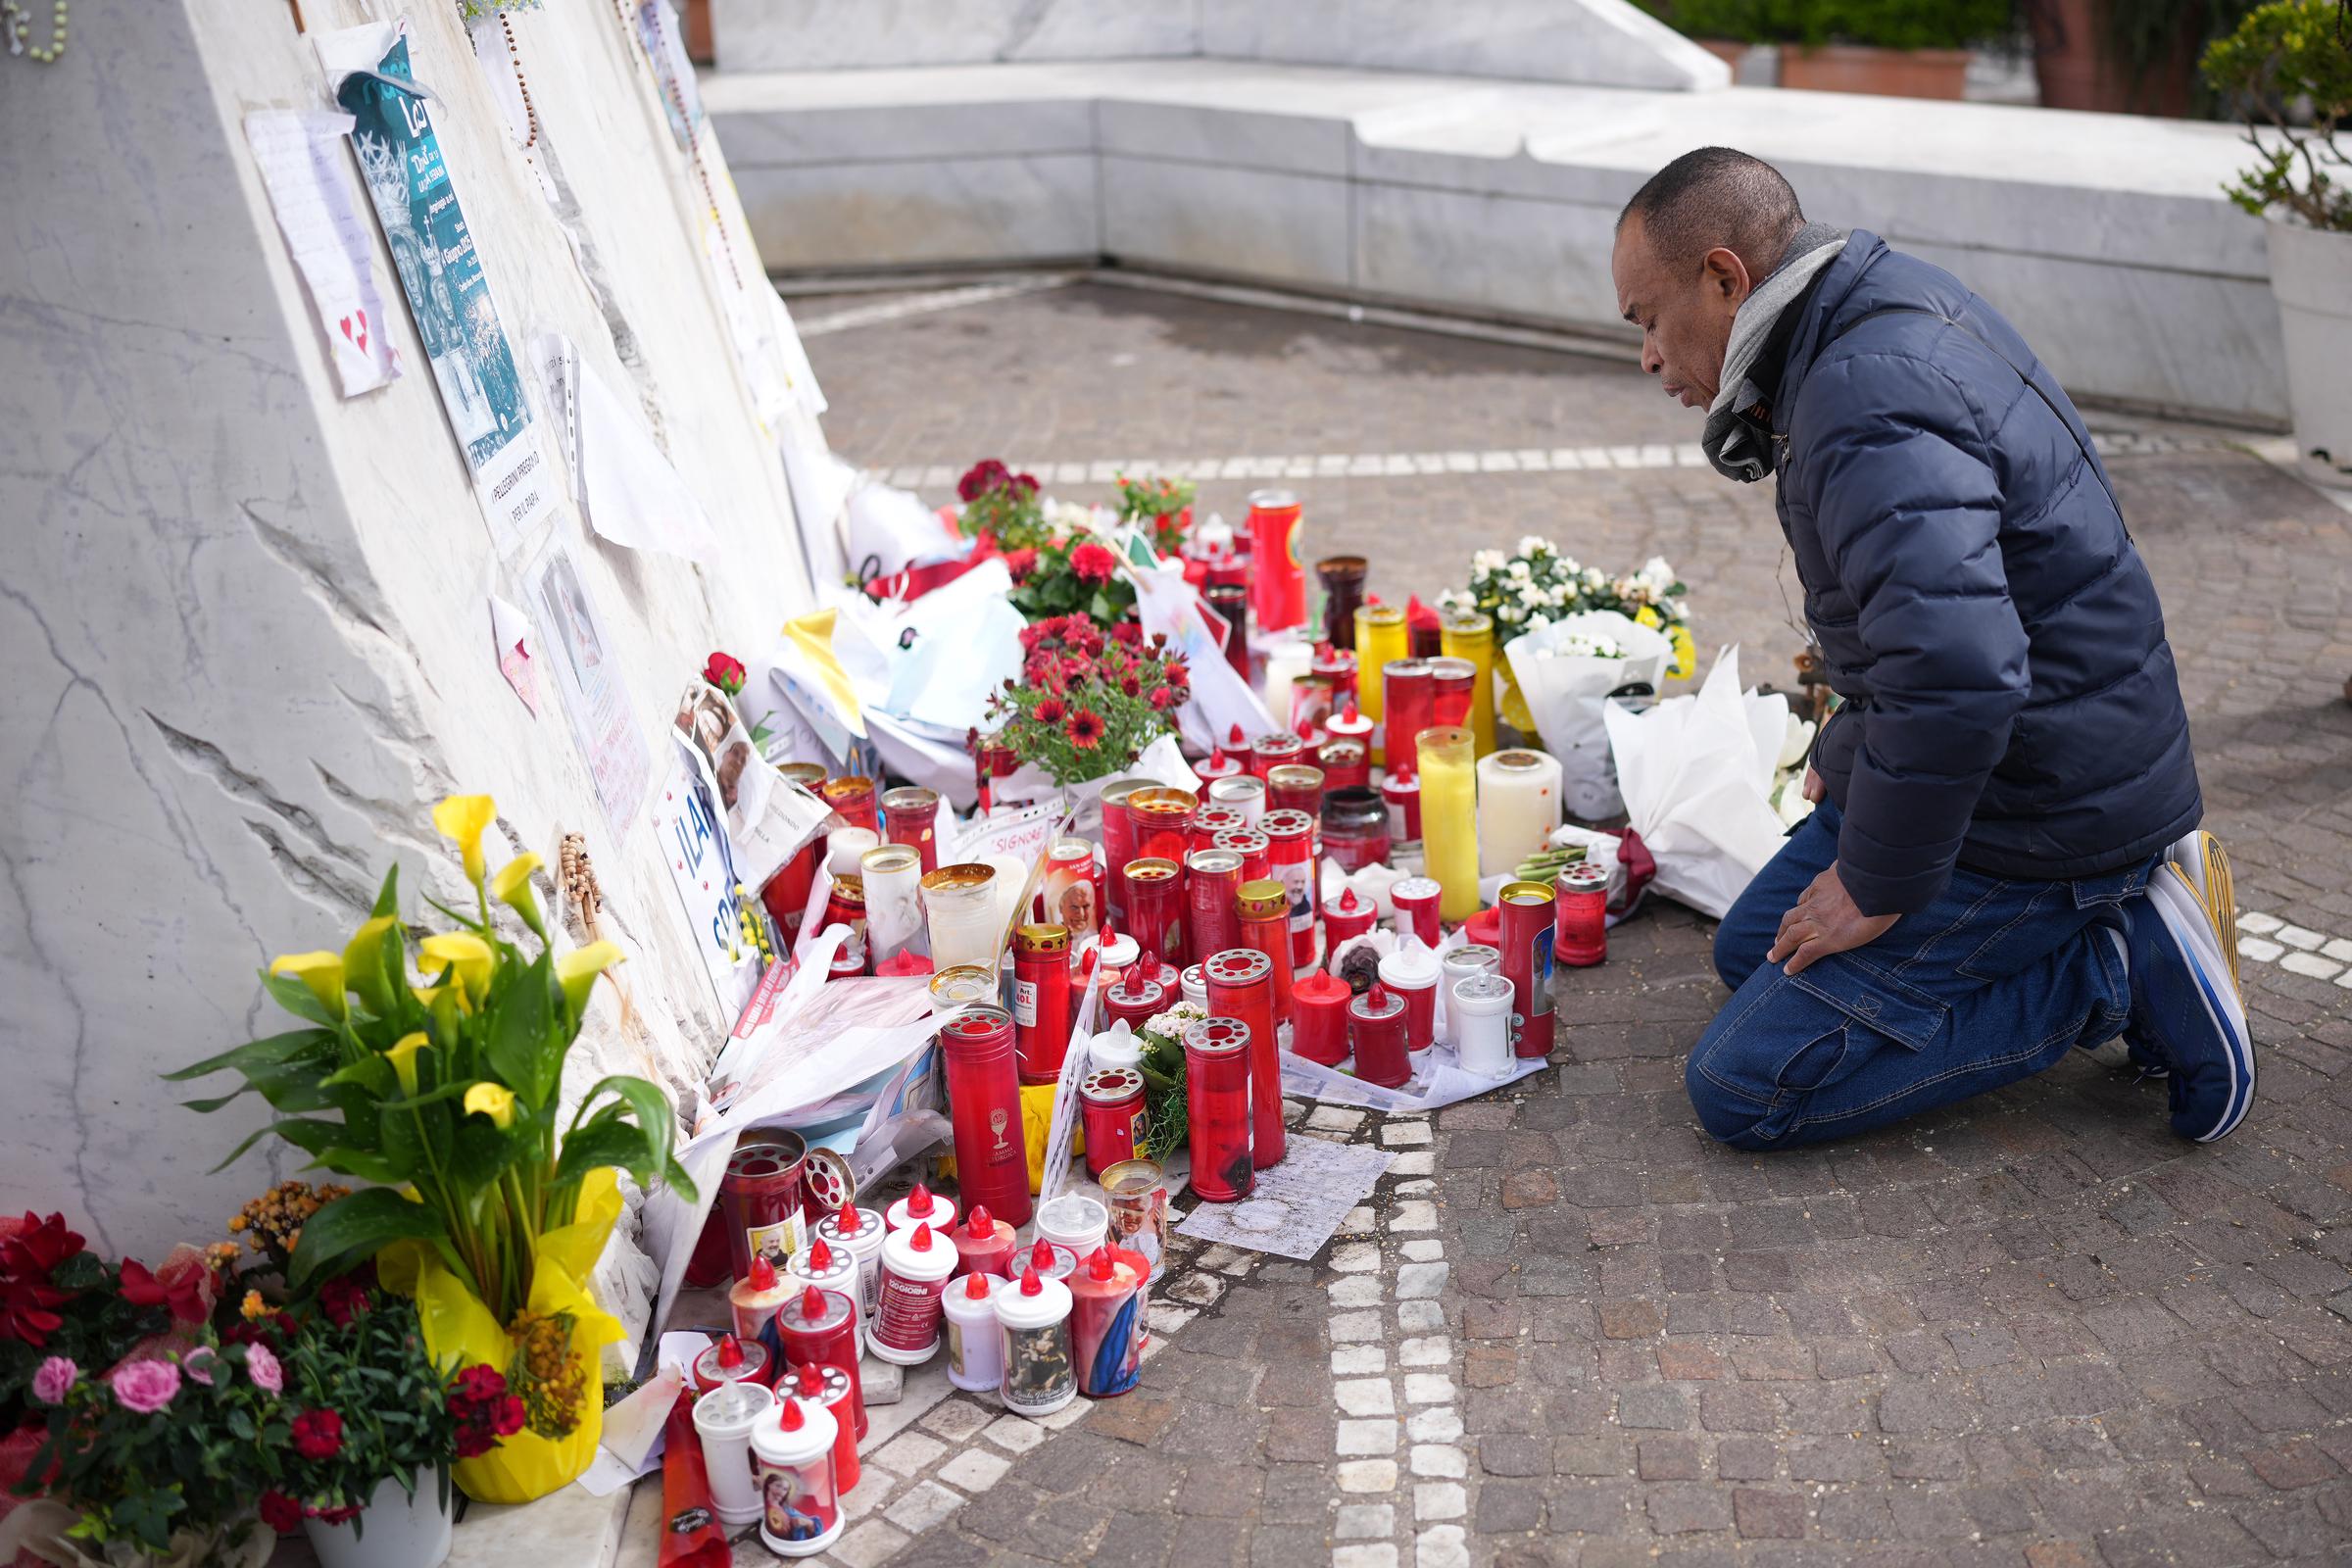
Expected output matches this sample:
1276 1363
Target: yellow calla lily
494 1100
322 972
513 888
578 971
364 964
464 818
404 1061
461 952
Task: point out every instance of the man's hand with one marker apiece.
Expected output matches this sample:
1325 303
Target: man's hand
1824 921
1815 789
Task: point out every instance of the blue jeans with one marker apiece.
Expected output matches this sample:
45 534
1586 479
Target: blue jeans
1991 982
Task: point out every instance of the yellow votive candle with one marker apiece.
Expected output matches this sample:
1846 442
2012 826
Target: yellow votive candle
1380 636
1449 818
1468 634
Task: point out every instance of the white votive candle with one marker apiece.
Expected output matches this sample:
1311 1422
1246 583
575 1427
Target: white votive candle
1518 807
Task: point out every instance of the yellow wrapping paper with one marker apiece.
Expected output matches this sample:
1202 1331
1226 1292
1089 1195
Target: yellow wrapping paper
459 1332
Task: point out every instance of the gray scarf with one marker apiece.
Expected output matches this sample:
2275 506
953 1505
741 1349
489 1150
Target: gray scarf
1729 441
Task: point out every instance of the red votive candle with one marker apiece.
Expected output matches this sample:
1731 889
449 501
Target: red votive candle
1453 683
1241 986
1155 906
1376 1026
1163 818
1321 1001
1253 847
1212 886
1409 703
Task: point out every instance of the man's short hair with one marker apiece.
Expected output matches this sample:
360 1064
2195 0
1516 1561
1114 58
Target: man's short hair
1717 196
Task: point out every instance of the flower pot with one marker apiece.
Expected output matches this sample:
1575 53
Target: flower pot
2075 65
396 1530
1888 73
2311 277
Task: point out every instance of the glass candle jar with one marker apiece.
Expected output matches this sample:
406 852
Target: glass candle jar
959 905
1449 818
1231 601
853 800
911 816
759 1200
1073 893
807 775
1355 828
1408 704
1253 847
892 876
1212 820
1212 886
1162 819
1343 581
1453 683
1241 986
1468 635
1245 793
1347 764
1580 924
1155 907
1381 638
1137 1191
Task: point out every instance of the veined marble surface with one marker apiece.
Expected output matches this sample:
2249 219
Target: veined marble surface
244 619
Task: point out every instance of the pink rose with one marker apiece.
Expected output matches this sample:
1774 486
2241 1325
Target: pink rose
198 1364
145 1387
265 1368
57 1374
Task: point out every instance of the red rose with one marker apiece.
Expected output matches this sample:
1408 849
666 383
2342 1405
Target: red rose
1025 483
1021 563
980 478
725 673
1093 563
336 1516
1085 729
318 1434
507 1416
280 1512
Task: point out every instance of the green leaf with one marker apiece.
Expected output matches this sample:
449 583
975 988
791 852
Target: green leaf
268 1050
387 899
247 1142
370 1072
653 1112
612 1143
526 1047
295 997
359 1225
680 1183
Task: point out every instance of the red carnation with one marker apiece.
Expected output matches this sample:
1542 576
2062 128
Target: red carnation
1021 563
480 1381
1085 729
1130 632
507 1415
1049 711
318 1434
1093 563
280 1512
336 1516
1130 685
343 1299
1025 483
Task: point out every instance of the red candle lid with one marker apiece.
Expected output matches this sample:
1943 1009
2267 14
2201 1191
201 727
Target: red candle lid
1234 736
1040 1257
1098 1266
918 1202
813 1303
1348 900
764 1273
921 1240
1031 1284
730 1351
848 1221
792 1418
820 1256
980 1225
812 1380
975 1287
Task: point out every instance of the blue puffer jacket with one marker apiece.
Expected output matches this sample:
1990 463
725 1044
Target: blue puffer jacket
2012 702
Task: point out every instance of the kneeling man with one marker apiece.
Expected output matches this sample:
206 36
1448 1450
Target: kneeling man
2005 862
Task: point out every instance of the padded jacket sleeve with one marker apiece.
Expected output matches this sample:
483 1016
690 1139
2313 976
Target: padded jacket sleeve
1898 480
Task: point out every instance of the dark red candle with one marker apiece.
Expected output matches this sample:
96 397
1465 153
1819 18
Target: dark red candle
1321 1001
1241 986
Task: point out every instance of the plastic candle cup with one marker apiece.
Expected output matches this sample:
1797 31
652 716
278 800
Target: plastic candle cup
1450 819
1321 1035
1411 973
859 1233
851 798
1468 635
1155 906
1481 1007
1106 1321
1216 1101
921 1207
1376 1027
984 1244
1162 819
827 1388
723 1420
1459 963
818 1327
1241 986
984 1112
752 1300
1518 807
817 1264
800 1496
915 1265
960 903
1075 1221
1408 705
846 847
1049 1259
975 1359
1033 1319
1118 837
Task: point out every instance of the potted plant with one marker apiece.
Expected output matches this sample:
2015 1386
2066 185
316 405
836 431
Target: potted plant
1088 702
1000 508
156 1462
1897 48
1537 584
2288 71
1072 570
374 1432
2135 57
444 1088
1163 507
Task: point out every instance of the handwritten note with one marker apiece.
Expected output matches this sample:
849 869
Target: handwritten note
299 153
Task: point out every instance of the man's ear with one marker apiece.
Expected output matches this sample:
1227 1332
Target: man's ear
1723 272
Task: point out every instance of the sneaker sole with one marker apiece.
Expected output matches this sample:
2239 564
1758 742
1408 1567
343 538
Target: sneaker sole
2190 926
2200 862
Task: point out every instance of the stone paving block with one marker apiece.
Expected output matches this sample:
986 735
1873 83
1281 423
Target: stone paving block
1769 1515
1358 1521
1678 1508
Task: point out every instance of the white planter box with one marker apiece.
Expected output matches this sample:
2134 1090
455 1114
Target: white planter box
2311 277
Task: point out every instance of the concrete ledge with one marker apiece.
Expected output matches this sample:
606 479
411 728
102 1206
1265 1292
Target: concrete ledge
2104 237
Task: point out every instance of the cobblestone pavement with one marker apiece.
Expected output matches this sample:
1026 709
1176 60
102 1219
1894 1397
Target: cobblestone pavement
2033 1329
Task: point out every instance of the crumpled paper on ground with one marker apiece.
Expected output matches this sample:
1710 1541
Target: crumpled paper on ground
1697 776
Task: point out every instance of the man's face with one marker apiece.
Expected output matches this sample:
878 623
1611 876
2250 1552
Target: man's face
1685 311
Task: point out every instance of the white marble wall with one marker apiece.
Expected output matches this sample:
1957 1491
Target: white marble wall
1607 42
243 619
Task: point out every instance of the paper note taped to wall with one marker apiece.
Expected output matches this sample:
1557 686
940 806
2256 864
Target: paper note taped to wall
299 153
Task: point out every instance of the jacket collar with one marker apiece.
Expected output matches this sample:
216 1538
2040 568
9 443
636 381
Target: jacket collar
1810 323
